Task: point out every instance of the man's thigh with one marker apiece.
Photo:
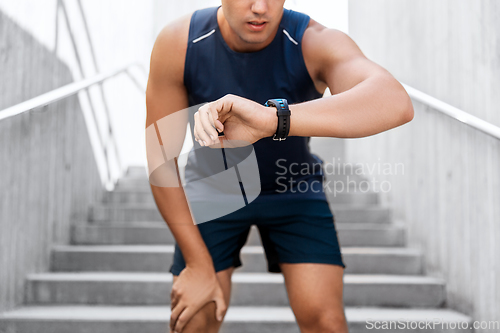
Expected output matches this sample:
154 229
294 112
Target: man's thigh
204 320
315 292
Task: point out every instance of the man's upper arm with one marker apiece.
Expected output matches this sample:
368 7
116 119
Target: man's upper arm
167 101
335 58
166 93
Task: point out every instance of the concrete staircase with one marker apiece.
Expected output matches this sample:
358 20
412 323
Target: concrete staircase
114 276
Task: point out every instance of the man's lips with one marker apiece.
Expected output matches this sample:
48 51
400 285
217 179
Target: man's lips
256 25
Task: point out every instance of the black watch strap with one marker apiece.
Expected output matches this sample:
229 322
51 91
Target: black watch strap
283 113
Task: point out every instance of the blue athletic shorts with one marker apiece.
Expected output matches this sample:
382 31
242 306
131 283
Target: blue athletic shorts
291 231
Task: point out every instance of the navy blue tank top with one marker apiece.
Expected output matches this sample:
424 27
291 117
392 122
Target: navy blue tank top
288 170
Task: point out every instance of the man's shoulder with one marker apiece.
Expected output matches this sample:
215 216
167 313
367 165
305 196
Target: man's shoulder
169 50
317 30
176 31
319 40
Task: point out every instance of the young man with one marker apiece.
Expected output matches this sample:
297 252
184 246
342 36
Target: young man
237 57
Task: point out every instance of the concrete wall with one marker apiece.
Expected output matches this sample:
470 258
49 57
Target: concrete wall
449 192
48 175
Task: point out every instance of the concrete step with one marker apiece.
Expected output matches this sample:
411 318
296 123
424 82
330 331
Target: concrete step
136 171
342 213
334 183
138 233
249 289
146 197
334 173
330 159
158 258
154 319
334 169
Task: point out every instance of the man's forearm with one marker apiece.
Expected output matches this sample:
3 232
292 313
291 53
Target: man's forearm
375 105
173 206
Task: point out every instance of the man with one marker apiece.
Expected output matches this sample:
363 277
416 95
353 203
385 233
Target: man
236 57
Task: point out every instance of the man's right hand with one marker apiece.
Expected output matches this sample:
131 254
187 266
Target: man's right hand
195 287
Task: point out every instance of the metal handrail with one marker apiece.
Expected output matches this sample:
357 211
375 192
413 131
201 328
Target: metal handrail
67 91
62 92
453 112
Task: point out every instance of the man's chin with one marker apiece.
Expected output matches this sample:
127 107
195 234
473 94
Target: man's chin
253 39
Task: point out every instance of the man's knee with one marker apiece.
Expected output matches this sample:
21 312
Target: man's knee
323 320
203 321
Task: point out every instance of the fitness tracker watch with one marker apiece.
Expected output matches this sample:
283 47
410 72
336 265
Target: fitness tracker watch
283 113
